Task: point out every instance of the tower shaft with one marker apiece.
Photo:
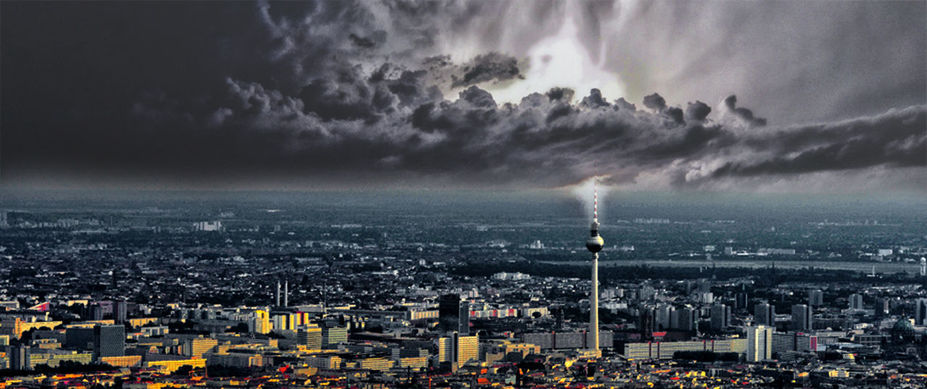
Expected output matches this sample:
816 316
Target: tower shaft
594 303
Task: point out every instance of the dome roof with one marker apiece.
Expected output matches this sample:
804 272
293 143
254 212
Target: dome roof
903 325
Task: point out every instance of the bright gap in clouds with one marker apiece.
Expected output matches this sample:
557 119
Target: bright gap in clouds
561 60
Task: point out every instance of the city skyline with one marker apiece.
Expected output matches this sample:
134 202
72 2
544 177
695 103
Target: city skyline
463 194
664 96
313 290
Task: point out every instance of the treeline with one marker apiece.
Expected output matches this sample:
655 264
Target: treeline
765 276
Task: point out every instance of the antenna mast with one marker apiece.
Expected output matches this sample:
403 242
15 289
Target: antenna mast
595 198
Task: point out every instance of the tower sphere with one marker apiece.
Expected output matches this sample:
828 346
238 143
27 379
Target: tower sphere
595 243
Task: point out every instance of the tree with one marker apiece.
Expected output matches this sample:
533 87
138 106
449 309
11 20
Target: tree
241 328
184 370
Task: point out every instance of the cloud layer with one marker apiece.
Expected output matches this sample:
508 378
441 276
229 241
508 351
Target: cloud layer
342 93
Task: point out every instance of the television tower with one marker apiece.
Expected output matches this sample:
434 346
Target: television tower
595 244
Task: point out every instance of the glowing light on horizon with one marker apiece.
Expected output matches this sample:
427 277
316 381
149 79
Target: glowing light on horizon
561 60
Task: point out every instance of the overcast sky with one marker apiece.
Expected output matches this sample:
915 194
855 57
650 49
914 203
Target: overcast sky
789 96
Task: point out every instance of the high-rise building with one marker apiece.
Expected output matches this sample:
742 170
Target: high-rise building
920 311
260 321
705 297
815 298
759 343
79 338
647 322
453 315
685 318
881 308
463 318
333 335
109 341
96 312
12 326
20 358
120 311
283 320
310 336
468 349
741 300
720 317
856 301
764 314
196 347
446 349
458 349
801 317
663 317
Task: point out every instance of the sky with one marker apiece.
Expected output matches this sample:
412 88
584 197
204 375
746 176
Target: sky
745 96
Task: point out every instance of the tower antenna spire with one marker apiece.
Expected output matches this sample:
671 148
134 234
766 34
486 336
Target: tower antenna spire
595 198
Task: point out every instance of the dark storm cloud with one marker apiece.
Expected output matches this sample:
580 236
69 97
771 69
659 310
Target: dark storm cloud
658 103
544 140
674 113
655 102
697 111
564 94
487 67
743 114
594 99
624 104
339 92
352 95
896 139
361 41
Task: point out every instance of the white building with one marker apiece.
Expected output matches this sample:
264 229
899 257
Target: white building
208 226
759 343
